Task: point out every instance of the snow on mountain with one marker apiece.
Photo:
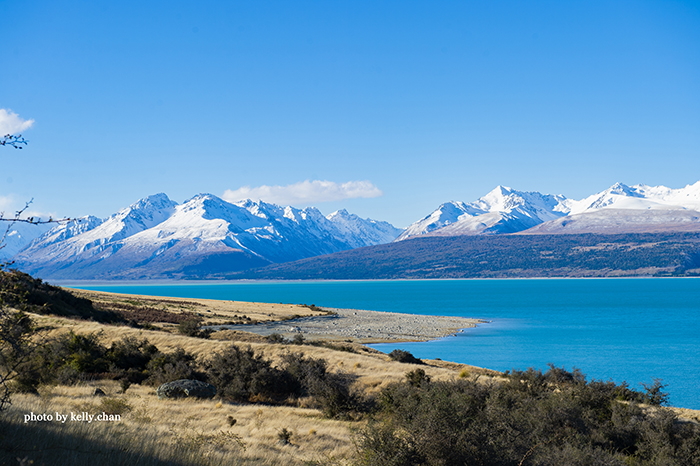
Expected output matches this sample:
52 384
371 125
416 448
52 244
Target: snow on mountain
620 196
18 236
503 210
358 232
610 220
62 232
618 209
630 209
155 237
90 236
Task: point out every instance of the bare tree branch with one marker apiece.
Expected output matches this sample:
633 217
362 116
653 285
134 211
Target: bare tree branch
18 219
14 141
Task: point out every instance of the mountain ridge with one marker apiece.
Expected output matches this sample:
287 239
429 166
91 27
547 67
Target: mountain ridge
157 238
505 210
205 236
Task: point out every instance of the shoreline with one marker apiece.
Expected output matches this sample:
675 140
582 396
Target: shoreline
289 320
174 281
362 326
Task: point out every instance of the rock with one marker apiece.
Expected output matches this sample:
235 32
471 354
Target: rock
186 388
99 392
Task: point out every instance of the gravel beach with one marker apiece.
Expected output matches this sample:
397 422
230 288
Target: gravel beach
363 326
288 320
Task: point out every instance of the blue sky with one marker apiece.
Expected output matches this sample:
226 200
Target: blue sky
386 108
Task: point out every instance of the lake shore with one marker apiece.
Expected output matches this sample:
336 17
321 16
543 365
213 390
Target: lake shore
289 320
364 326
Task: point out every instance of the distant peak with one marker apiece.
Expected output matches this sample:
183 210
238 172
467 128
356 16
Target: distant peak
503 189
153 199
342 213
619 188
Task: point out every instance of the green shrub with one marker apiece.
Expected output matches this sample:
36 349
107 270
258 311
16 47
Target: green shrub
654 394
275 338
70 358
404 356
532 418
240 375
417 377
285 436
310 377
192 327
129 358
176 365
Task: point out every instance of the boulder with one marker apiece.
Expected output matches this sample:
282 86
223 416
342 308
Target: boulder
186 388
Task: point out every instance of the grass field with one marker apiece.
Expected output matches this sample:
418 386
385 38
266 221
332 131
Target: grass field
186 431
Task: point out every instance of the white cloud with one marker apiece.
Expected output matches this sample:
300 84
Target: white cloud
11 123
305 192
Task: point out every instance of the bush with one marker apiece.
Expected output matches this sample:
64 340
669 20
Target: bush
310 377
71 358
129 358
417 378
240 375
275 338
532 418
404 356
654 396
284 436
192 327
167 367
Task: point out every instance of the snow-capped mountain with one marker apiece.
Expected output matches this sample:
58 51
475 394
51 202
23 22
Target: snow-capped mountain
640 197
358 232
630 209
618 209
17 235
156 237
503 210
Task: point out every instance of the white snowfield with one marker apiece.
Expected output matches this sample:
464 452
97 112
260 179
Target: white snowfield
618 209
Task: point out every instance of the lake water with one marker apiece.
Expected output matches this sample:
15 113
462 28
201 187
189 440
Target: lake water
632 329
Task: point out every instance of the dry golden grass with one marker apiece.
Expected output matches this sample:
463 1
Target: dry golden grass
214 311
198 429
155 428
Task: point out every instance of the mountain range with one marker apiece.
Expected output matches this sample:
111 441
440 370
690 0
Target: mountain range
157 238
207 237
618 209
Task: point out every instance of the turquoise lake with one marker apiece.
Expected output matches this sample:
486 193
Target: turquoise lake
631 329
